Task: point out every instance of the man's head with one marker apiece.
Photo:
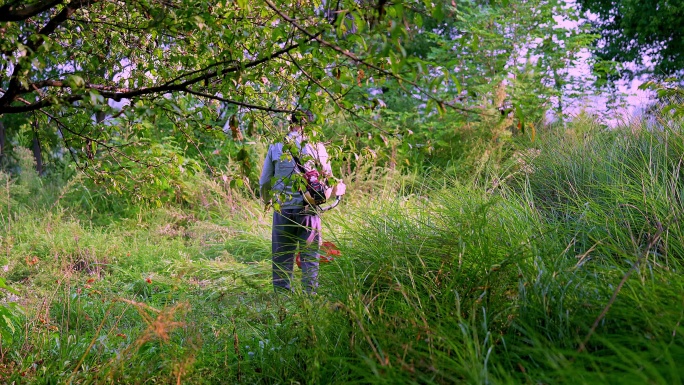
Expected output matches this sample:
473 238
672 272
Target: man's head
301 118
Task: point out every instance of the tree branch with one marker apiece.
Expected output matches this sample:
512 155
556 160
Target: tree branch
234 102
311 78
117 94
252 64
15 88
56 21
18 12
108 147
181 76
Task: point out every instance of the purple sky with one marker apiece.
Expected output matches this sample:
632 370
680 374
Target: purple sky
632 100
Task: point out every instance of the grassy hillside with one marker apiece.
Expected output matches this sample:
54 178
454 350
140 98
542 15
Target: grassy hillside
558 264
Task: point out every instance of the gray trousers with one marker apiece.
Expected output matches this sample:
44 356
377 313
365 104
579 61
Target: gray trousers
293 229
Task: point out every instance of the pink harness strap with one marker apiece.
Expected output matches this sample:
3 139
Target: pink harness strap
314 223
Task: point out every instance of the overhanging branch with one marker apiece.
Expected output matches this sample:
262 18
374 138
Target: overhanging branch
235 102
17 11
117 93
15 87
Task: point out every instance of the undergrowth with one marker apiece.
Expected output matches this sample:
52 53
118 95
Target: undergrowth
561 264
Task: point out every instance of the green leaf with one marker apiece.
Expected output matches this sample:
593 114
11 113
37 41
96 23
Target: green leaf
95 97
441 108
9 324
438 11
3 285
457 83
75 81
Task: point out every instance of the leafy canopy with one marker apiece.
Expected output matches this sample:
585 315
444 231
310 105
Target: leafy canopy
182 70
268 55
123 85
634 31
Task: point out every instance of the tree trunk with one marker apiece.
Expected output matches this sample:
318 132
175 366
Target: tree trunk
2 142
38 154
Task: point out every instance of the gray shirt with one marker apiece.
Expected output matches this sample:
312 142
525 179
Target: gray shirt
277 167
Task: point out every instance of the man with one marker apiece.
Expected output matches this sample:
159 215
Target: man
295 223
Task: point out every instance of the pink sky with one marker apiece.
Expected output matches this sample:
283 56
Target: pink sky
632 99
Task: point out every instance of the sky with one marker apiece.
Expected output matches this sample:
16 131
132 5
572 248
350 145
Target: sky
632 101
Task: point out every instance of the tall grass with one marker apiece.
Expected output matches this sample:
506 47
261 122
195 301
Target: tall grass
568 272
563 268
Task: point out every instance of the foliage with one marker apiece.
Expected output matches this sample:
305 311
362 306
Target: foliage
9 317
410 142
261 57
134 106
477 245
632 31
670 98
25 189
510 66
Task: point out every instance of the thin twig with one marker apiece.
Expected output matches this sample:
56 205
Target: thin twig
235 102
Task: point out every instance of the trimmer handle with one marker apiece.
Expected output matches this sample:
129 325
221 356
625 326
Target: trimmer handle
337 201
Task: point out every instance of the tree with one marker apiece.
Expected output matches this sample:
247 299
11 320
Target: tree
190 64
83 52
509 59
183 69
640 31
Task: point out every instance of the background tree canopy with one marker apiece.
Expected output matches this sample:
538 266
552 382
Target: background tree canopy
632 31
263 56
244 54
